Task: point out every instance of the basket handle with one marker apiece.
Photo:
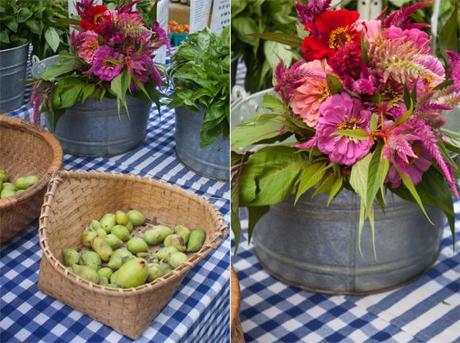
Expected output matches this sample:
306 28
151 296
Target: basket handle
47 200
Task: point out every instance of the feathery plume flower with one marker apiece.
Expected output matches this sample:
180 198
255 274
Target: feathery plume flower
454 66
308 12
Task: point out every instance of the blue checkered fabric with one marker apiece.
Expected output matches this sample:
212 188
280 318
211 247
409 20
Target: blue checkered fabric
198 312
427 310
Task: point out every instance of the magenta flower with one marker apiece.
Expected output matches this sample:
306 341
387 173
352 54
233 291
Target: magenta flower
420 39
454 66
107 63
131 26
308 12
161 36
85 43
341 112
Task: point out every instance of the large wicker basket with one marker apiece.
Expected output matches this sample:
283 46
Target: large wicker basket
73 199
25 149
235 323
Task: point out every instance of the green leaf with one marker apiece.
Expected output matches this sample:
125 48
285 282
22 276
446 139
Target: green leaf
64 66
406 115
334 84
310 177
359 177
279 37
254 214
364 49
374 122
359 133
378 170
326 184
119 87
411 188
448 34
87 91
52 38
335 188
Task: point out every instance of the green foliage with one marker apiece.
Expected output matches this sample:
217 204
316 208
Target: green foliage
39 22
200 73
252 23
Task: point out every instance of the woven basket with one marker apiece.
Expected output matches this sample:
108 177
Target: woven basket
25 149
237 330
73 199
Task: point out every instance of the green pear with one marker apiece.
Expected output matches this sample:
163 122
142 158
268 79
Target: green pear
26 182
108 222
164 253
113 241
96 225
91 259
105 272
87 237
121 232
9 185
196 240
121 218
137 244
71 257
6 193
132 274
86 273
115 262
136 217
101 233
175 241
176 259
182 231
129 226
157 234
157 270
102 248
3 175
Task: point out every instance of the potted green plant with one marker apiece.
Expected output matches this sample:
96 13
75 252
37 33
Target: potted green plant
201 97
346 170
98 96
23 22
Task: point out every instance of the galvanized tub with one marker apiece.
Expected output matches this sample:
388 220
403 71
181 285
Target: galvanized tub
211 161
96 128
13 70
315 247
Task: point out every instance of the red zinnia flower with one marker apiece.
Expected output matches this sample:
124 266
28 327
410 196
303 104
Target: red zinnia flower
94 16
329 32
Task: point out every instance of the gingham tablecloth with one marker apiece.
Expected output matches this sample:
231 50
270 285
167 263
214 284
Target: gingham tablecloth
427 310
198 312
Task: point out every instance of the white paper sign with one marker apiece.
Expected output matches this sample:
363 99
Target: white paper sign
220 15
162 18
199 14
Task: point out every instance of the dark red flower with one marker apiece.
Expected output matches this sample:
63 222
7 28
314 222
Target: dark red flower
347 62
93 17
329 32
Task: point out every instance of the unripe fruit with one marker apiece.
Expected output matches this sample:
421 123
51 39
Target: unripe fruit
157 234
182 231
196 240
108 222
132 274
3 175
95 224
26 182
115 262
71 257
101 233
175 241
86 273
129 226
164 253
90 259
137 244
136 217
102 248
176 259
113 241
121 232
87 237
105 272
8 185
121 218
7 193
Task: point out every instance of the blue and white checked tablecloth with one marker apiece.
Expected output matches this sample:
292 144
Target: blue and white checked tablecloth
198 312
427 310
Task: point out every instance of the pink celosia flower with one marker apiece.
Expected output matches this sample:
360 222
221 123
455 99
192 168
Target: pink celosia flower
365 85
131 26
307 98
420 39
107 63
372 28
161 36
308 12
347 63
341 112
85 43
454 66
289 79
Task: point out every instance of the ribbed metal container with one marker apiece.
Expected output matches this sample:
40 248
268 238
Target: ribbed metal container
315 247
211 161
96 128
13 70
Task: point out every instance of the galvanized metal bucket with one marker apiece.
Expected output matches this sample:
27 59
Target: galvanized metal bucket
13 70
96 128
316 247
211 161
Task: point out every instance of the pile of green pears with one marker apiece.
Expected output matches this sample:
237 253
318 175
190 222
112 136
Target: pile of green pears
121 251
9 189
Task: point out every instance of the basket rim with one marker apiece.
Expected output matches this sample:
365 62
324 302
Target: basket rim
56 163
175 275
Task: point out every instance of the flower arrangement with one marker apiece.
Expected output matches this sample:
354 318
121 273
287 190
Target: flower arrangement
362 110
200 73
112 55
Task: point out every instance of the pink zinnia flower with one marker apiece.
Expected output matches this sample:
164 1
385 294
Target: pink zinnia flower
85 43
132 27
341 112
107 63
307 98
420 39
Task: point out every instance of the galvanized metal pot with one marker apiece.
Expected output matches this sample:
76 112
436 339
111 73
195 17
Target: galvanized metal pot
211 161
13 69
316 247
96 128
